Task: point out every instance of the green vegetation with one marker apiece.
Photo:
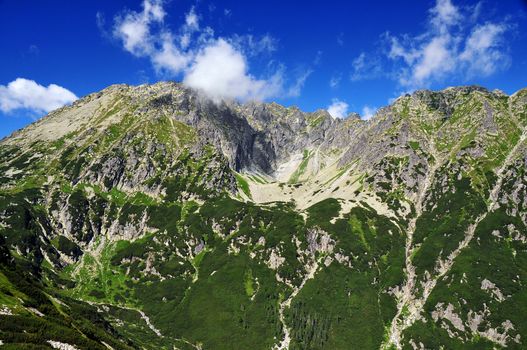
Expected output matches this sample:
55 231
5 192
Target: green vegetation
499 260
67 321
133 226
441 228
297 174
249 283
243 185
316 120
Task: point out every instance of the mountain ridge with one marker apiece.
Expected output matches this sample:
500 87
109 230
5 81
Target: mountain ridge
170 214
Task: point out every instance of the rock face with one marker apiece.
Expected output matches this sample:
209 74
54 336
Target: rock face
172 214
252 136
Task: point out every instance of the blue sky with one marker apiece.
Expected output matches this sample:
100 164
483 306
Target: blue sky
341 55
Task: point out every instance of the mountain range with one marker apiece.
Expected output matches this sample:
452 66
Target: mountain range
154 217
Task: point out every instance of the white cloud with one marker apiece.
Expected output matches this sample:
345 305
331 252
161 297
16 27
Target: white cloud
221 72
452 46
134 28
135 31
215 66
338 109
295 89
368 112
444 15
168 57
27 94
397 50
435 60
483 52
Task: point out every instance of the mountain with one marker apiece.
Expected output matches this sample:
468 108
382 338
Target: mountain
152 217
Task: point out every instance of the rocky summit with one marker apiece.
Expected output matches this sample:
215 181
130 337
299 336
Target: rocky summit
151 217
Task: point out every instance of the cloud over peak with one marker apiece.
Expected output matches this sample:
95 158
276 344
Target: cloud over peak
220 71
216 66
338 109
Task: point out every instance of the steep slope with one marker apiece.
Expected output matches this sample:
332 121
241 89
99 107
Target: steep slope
172 215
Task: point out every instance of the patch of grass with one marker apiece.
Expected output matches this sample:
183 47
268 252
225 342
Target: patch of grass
249 283
243 185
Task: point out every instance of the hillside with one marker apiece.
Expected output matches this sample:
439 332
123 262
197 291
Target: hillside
151 217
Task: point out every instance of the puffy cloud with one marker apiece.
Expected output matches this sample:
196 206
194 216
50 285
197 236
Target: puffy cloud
135 31
450 47
134 28
368 112
27 94
483 53
216 66
338 109
453 45
221 72
397 50
435 60
168 57
444 15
